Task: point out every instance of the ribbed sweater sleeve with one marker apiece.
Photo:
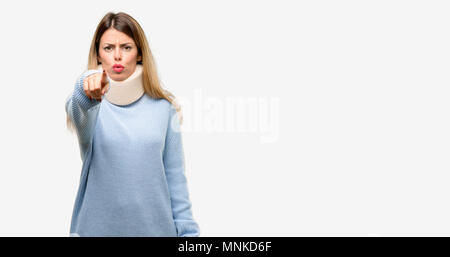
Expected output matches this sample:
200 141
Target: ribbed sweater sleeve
175 174
83 112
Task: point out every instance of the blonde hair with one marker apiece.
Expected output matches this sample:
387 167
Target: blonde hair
128 25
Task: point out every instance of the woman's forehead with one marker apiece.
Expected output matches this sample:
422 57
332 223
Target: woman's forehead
113 36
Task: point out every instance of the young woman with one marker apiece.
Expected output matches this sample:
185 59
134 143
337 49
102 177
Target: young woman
132 179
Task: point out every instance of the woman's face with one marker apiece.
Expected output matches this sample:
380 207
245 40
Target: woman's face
116 48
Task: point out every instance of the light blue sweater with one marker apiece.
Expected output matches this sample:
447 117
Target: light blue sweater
132 179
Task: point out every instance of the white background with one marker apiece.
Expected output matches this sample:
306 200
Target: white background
363 122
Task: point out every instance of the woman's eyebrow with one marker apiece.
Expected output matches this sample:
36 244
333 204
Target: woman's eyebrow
121 44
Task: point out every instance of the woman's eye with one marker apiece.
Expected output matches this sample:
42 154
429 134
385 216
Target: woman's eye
109 48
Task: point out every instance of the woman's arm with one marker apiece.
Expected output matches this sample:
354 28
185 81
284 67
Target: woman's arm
83 112
176 179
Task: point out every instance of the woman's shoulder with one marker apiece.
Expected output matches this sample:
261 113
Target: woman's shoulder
163 103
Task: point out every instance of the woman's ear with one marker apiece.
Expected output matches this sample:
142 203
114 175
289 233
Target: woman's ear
139 58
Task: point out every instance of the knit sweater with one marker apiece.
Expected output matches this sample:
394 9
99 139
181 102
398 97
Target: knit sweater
132 180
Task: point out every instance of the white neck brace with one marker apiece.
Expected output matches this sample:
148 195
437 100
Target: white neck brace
126 91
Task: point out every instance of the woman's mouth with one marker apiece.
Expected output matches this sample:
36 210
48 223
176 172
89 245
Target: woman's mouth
118 67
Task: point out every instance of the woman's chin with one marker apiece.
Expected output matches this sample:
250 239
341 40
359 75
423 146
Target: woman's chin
118 77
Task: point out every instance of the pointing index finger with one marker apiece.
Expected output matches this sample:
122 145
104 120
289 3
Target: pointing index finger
104 78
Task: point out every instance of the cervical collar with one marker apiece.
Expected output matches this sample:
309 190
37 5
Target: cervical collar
126 91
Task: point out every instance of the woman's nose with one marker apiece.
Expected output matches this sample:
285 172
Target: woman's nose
117 54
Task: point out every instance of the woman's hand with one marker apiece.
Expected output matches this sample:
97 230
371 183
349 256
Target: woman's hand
95 85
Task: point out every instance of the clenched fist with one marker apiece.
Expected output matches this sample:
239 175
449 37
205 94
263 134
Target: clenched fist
95 85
